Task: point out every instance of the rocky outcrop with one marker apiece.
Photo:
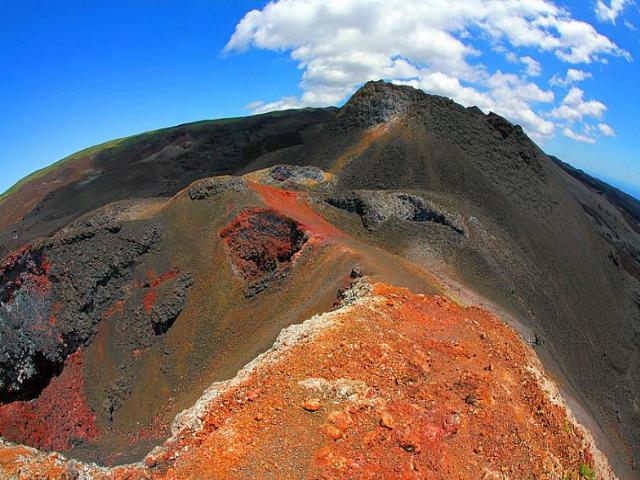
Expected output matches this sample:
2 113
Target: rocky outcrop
376 103
296 174
377 207
210 187
164 313
53 295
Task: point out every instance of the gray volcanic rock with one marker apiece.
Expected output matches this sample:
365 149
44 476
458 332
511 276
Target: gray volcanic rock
378 207
214 186
52 297
376 103
164 313
295 174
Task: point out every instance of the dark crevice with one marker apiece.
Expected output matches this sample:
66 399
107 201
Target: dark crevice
31 388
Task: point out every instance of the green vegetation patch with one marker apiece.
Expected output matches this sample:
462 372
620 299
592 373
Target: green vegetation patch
586 472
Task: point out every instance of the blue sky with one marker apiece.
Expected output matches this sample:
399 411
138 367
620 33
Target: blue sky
77 73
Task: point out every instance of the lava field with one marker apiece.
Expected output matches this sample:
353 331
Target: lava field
398 288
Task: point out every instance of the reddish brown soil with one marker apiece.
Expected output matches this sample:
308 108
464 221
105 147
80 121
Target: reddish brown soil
400 386
444 395
296 206
58 417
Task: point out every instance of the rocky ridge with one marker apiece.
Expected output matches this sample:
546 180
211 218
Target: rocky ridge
438 397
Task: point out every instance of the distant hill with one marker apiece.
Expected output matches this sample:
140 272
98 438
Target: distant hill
625 202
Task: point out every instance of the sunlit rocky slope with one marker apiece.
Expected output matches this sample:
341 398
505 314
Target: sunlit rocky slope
437 288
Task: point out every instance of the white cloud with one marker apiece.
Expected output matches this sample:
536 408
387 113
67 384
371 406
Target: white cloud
606 130
609 13
568 132
285 103
511 57
575 108
533 67
575 75
430 44
572 76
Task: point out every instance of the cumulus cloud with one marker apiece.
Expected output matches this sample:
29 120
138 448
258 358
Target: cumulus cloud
569 133
434 45
533 67
575 108
606 130
608 12
284 103
572 76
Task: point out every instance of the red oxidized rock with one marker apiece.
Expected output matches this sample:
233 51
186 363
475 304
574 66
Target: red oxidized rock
312 405
58 417
261 241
